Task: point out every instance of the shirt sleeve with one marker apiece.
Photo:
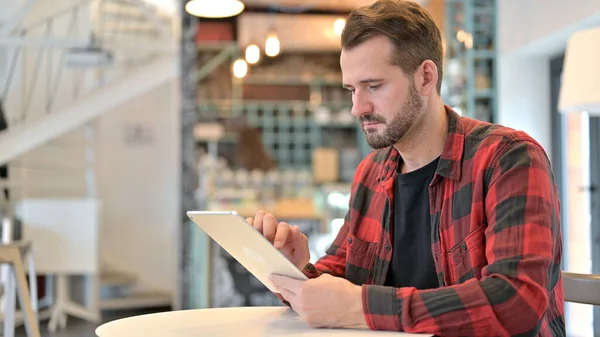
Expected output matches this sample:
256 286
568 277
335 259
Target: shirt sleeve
334 261
523 246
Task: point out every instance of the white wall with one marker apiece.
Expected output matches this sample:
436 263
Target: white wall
7 8
523 23
523 89
529 37
57 169
138 184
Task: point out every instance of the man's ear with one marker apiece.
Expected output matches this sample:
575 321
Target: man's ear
426 78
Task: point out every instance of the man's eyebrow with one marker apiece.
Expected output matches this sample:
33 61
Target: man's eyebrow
365 81
371 80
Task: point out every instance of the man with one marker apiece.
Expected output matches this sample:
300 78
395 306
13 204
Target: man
453 226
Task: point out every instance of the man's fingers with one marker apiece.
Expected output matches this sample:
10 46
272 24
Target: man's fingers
283 231
250 220
287 295
286 283
296 233
269 227
258 221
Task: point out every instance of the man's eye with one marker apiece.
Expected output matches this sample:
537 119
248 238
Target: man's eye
374 87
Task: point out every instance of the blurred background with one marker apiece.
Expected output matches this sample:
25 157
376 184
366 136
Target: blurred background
118 116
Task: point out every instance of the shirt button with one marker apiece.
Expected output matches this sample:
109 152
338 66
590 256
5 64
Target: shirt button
388 248
349 240
464 246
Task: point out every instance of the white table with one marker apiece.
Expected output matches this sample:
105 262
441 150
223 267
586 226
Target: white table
244 321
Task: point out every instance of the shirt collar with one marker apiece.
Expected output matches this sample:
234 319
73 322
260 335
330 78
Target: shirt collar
450 164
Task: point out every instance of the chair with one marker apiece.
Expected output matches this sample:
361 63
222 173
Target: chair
581 288
13 254
14 282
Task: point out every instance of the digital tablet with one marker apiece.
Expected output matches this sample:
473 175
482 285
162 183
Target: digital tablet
245 244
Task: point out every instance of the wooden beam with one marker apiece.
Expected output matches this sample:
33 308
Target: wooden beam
437 10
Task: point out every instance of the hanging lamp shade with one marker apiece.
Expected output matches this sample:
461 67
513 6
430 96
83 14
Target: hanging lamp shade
214 8
580 84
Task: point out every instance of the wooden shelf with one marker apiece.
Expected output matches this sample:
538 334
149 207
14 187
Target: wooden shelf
283 210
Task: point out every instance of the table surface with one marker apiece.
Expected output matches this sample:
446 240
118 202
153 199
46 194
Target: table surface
239 321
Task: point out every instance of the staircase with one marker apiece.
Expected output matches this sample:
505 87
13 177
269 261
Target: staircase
142 59
21 138
53 98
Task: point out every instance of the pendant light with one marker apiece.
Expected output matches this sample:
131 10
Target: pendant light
338 26
272 44
240 68
252 54
214 8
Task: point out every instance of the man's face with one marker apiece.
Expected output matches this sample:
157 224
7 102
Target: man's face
385 102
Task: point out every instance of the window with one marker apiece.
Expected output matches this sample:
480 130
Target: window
573 160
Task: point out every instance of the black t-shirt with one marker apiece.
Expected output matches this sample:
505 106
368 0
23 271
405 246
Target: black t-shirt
412 262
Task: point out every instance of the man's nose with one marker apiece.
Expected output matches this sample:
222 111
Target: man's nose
360 105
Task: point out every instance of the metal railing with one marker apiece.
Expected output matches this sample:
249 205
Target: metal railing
39 53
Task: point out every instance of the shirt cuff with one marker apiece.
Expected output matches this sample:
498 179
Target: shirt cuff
280 297
311 271
380 309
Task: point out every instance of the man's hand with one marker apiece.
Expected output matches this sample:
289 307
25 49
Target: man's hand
325 301
289 240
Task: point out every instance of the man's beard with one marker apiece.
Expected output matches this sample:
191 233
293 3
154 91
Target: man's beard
397 128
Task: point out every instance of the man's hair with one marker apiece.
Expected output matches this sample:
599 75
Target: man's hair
407 25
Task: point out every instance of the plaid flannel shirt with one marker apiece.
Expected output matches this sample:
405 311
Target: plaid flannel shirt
496 239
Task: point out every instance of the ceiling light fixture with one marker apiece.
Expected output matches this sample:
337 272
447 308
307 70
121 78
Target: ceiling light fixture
252 54
272 44
214 9
338 26
240 68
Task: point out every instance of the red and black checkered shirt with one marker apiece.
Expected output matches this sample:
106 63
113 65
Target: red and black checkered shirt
496 239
